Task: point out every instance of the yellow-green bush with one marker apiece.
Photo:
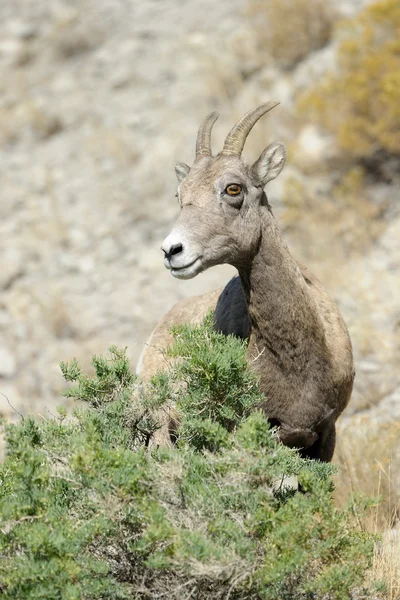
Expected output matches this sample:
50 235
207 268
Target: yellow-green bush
360 103
287 31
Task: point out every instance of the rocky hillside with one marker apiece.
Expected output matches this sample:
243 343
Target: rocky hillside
98 99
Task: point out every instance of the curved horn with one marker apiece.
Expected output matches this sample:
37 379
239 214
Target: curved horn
203 143
236 138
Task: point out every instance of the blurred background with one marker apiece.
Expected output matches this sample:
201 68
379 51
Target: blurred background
100 98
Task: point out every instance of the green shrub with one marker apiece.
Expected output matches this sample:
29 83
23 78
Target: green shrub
219 389
88 511
360 104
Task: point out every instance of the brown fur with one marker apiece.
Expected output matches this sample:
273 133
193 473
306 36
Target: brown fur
298 343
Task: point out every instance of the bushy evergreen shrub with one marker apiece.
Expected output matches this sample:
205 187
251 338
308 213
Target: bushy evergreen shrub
88 510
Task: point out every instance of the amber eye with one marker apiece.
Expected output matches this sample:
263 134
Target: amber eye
233 189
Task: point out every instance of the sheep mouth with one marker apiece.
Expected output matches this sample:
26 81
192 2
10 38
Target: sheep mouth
189 270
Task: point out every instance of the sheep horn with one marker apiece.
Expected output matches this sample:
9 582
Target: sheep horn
203 143
236 138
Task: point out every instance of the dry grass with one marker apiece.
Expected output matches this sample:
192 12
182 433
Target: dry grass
368 458
342 219
288 31
386 565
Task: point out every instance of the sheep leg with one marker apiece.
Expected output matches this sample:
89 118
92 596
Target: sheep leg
324 447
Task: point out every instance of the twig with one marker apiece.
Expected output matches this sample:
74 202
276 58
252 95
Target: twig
237 580
57 476
161 350
258 354
180 587
11 406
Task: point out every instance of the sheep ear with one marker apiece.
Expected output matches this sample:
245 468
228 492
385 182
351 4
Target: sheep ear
270 163
181 170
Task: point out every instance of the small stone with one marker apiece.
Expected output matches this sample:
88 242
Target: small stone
120 78
8 365
311 145
108 250
11 271
23 30
10 50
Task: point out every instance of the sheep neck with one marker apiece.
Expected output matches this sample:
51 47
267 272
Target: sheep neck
285 326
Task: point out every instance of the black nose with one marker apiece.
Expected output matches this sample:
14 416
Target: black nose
175 249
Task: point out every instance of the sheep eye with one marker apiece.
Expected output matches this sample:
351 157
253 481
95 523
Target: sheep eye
233 189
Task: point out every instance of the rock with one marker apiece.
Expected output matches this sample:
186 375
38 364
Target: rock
23 30
10 50
314 67
10 273
121 77
8 364
390 406
311 144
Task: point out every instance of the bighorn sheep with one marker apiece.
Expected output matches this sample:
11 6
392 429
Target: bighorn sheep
298 342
